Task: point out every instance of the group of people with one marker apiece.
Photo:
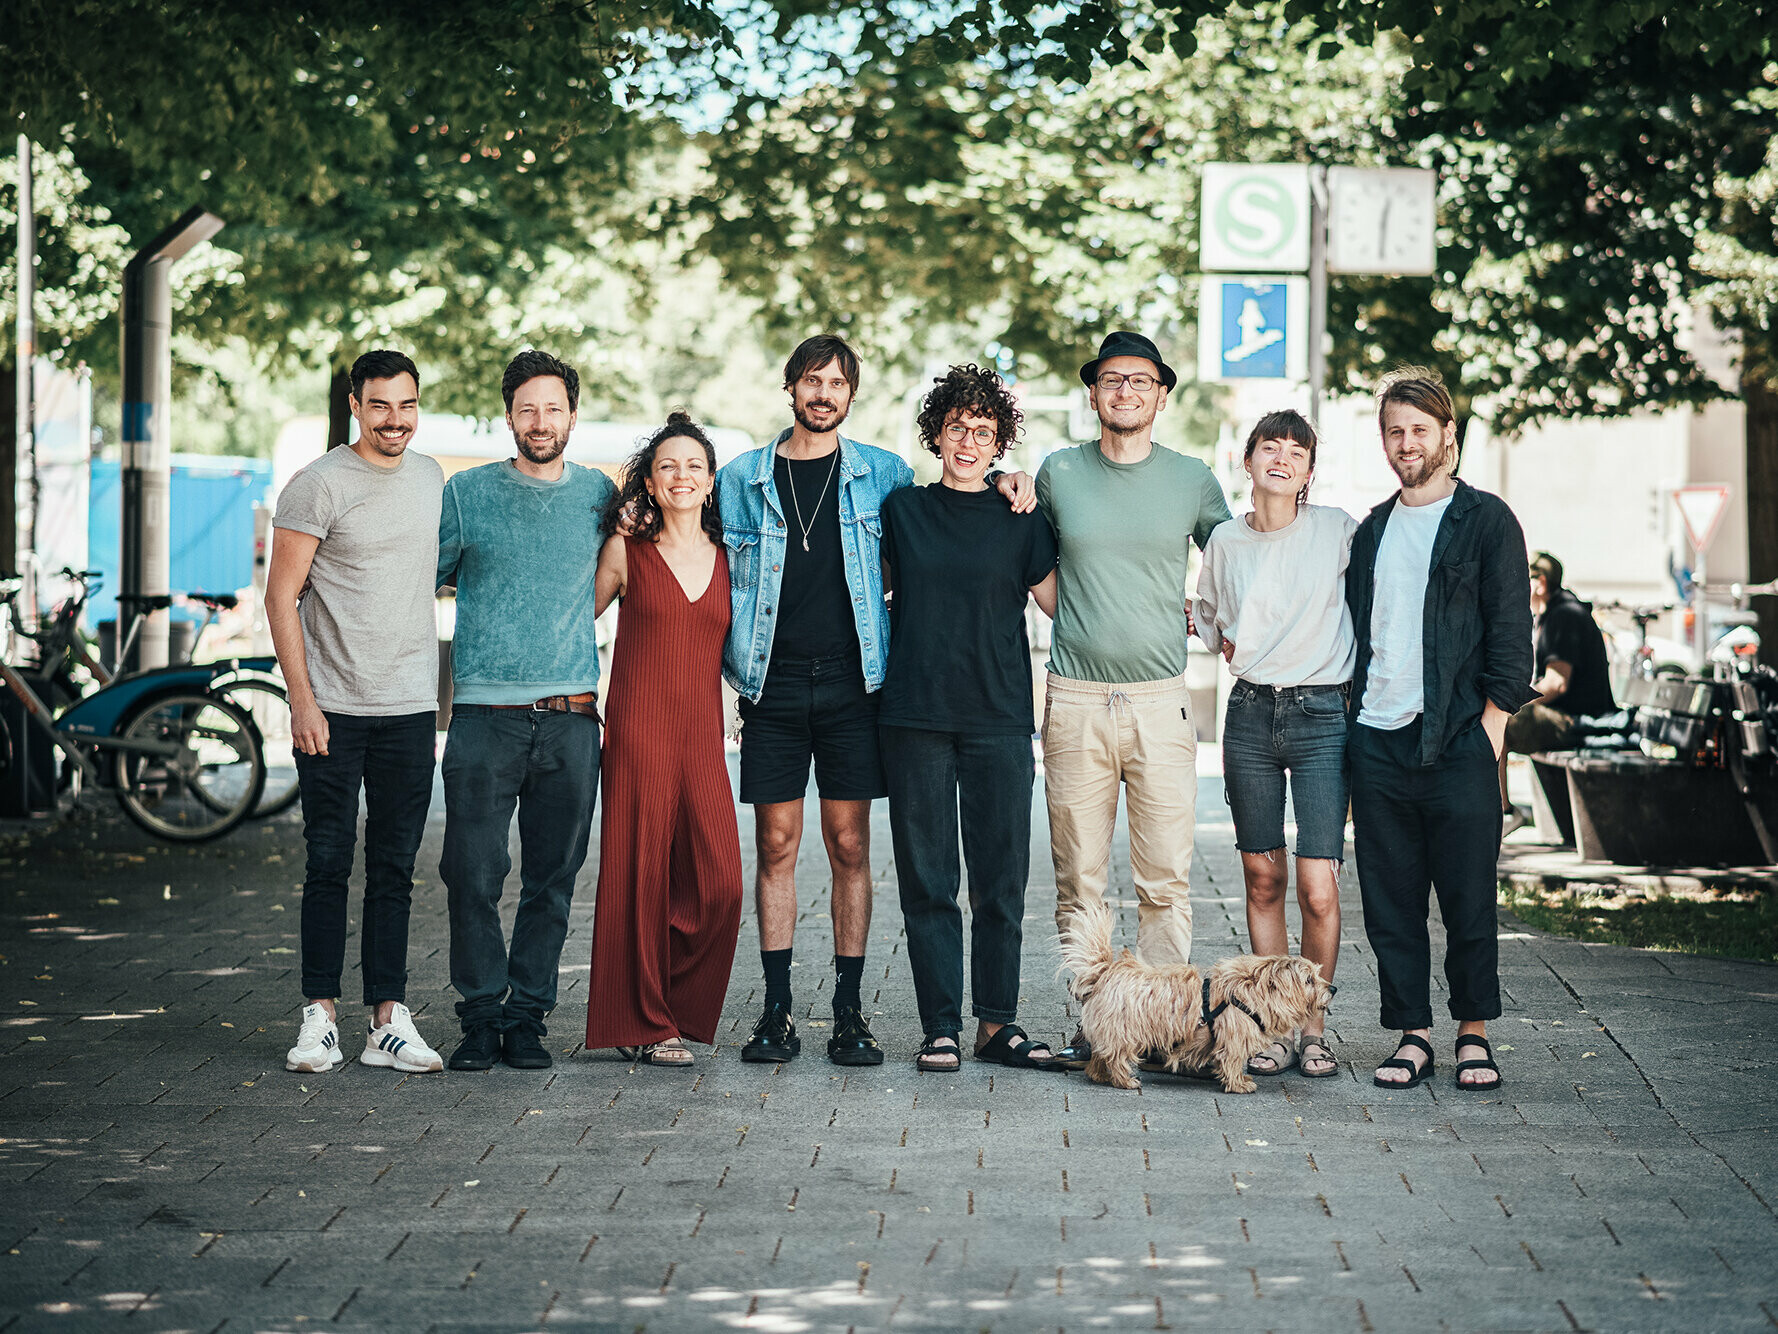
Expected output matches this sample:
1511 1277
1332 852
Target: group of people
875 630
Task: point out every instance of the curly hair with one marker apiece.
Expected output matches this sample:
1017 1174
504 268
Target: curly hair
975 390
632 496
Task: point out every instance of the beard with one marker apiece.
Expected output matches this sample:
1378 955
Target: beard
543 447
1431 463
1127 426
801 412
389 449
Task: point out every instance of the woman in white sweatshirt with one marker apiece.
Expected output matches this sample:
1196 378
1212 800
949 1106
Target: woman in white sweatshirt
1271 599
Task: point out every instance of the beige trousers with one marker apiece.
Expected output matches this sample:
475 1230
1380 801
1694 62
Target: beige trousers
1096 736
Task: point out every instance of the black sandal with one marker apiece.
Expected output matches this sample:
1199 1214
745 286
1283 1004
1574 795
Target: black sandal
1417 1074
932 1050
1012 1046
1477 1040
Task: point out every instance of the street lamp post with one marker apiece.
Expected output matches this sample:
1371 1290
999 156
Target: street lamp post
147 444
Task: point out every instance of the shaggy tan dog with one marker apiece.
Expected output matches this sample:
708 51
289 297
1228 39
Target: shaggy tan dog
1129 1008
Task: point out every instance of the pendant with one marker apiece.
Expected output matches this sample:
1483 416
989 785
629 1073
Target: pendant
805 543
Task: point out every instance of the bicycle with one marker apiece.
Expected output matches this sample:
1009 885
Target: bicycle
185 764
251 684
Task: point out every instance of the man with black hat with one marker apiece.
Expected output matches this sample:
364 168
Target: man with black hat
1125 511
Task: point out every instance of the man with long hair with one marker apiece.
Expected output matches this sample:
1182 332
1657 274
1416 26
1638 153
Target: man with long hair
1437 585
807 649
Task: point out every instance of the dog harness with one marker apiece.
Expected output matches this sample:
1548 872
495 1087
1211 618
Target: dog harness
1210 1014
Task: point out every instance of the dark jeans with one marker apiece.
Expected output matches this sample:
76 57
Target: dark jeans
1417 825
547 765
1271 731
391 759
932 776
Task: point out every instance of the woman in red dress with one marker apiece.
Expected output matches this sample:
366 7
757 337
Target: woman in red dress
669 901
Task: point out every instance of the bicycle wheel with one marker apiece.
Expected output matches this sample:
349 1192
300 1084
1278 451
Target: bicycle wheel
208 780
265 702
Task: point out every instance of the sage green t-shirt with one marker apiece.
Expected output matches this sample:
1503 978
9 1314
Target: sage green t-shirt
1123 536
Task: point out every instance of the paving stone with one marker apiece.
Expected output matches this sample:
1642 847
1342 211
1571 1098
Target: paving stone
159 1168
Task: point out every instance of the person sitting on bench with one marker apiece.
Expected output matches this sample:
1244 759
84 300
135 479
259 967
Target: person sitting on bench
1573 678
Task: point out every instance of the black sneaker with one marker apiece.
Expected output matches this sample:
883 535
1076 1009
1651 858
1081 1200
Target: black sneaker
521 1049
774 1037
479 1049
852 1043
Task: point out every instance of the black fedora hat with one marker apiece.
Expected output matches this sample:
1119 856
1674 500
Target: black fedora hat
1124 343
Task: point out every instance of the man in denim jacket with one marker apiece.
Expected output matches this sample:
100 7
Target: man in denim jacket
807 649
1437 585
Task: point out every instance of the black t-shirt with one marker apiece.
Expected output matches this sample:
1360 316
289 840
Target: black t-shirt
961 564
1566 632
814 605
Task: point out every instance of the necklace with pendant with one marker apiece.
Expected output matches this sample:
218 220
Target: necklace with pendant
790 476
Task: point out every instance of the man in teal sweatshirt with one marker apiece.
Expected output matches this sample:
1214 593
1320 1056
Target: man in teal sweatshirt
520 540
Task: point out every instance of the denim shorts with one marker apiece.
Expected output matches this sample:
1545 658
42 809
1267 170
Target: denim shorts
1300 731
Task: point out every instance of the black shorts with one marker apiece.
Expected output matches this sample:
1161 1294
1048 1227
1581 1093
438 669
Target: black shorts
817 710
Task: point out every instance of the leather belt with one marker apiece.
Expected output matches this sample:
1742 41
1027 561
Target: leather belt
587 704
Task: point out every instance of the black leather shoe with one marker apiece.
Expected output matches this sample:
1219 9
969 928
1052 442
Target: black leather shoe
774 1037
521 1049
479 1049
1077 1053
852 1043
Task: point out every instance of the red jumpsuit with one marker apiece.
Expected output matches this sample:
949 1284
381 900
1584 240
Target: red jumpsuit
669 898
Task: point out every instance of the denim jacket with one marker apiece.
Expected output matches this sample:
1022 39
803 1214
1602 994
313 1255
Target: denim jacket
753 531
1478 615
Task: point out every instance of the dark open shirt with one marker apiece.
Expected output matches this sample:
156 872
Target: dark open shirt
1478 614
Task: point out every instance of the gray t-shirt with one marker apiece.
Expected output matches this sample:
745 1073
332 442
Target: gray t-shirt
369 628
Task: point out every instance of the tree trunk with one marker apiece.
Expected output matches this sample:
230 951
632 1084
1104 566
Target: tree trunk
1759 390
9 467
339 410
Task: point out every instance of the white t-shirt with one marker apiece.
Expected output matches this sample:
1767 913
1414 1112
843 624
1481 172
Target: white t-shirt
1281 597
1395 688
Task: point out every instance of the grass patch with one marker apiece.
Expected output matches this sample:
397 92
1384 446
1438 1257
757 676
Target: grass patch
1737 925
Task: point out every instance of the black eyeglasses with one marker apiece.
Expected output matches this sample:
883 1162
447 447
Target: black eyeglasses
1142 382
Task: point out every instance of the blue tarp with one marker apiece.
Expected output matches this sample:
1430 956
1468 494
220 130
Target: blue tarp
212 526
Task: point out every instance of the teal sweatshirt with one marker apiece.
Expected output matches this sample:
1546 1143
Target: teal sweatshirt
522 554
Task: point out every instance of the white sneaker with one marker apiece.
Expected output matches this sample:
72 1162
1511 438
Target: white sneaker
317 1048
398 1043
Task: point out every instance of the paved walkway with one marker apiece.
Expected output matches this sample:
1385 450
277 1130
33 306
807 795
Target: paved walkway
162 1171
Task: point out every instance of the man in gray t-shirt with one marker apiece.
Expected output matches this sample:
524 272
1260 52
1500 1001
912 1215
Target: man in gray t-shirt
349 598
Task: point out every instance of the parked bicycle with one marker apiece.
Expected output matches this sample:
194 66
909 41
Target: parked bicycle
252 684
185 764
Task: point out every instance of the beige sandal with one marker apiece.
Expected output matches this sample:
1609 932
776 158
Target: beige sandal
670 1052
1279 1063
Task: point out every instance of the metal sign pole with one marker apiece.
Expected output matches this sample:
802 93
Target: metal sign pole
146 478
25 448
1317 291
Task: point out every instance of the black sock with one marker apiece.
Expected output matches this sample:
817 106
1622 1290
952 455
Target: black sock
777 967
848 969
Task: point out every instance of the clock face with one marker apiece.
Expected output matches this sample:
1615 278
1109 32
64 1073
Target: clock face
1381 220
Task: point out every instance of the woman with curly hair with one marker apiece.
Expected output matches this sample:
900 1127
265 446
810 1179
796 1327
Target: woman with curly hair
669 902
956 718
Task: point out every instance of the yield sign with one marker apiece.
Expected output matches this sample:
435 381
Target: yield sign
1702 508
